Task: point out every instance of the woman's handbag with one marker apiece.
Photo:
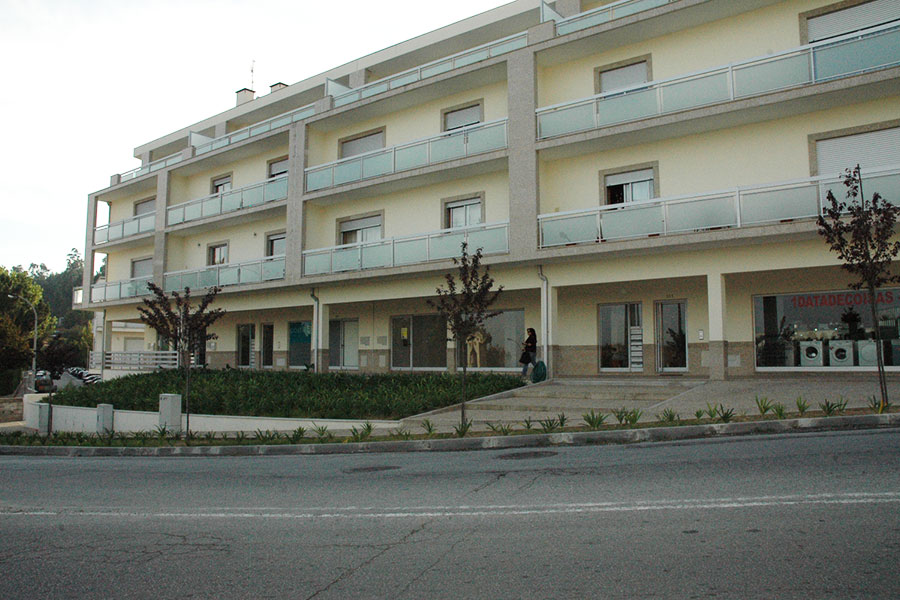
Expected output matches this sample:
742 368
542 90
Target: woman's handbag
525 358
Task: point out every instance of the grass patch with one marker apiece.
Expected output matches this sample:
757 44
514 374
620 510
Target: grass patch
289 394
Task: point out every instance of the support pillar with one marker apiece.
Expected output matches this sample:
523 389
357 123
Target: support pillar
170 412
523 161
568 8
320 337
296 233
359 78
87 275
718 346
547 350
159 236
104 418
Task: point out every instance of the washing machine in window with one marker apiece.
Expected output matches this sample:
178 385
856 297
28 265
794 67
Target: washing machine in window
840 353
812 354
867 353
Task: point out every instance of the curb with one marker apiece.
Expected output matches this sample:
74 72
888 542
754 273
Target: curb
580 438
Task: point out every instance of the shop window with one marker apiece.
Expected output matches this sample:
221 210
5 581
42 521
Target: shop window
299 343
497 344
360 144
246 335
419 342
354 231
217 254
620 337
631 186
456 118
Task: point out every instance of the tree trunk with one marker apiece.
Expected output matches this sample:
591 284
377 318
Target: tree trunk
879 351
462 406
186 356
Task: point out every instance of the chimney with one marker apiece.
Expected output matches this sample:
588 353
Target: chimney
244 95
276 86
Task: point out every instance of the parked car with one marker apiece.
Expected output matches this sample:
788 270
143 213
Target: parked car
43 383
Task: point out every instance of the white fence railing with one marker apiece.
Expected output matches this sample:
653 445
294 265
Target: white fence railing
134 361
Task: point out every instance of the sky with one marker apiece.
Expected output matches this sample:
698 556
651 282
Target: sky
86 81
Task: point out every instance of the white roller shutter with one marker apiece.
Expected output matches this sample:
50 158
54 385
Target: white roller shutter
852 19
874 149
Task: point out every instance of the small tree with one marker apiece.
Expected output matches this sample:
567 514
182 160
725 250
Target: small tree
859 231
467 308
181 327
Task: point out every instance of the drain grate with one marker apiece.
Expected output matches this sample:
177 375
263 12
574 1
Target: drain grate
370 469
525 455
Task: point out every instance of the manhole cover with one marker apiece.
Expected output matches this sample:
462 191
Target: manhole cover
370 469
524 455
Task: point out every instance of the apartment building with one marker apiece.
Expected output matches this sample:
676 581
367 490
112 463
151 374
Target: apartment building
642 177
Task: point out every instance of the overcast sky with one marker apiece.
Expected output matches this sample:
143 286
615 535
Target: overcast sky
85 81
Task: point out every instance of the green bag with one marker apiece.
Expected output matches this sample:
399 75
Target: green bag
539 372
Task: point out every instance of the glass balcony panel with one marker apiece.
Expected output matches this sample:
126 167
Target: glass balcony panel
407 252
221 143
253 196
489 240
276 189
566 120
345 259
101 235
207 277
243 135
635 7
699 91
630 107
273 269
176 215
251 273
190 280
154 167
315 264
302 114
701 214
446 245
113 291
888 186
347 172
376 256
115 231
231 201
631 222
447 148
378 164
576 229
372 90
204 149
772 75
98 293
316 180
767 206
486 139
404 79
509 46
583 23
436 69
281 121
410 157
471 58
129 228
211 206
229 275
172 283
859 55
192 211
147 223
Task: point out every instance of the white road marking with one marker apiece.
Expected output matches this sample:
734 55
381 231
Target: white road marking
470 511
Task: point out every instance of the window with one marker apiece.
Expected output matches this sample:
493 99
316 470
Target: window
824 23
142 268
275 244
217 254
463 213
419 342
620 337
869 150
497 344
455 118
343 344
145 207
362 143
221 185
299 343
621 77
268 344
354 231
277 167
246 335
630 186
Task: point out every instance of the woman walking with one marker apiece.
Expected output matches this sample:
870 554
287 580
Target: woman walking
529 351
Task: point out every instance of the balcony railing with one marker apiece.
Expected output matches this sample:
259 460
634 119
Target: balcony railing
298 114
461 59
134 361
875 48
123 229
118 290
492 239
255 271
232 200
738 207
604 14
466 141
156 165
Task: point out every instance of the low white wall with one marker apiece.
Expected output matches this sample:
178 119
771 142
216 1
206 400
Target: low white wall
30 409
135 420
74 418
203 423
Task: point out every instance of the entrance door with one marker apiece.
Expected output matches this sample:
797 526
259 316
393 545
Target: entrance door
621 337
246 342
671 335
343 342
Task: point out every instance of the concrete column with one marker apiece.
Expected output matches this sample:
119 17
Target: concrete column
550 321
43 418
323 105
320 337
359 78
145 158
541 32
567 8
170 412
718 346
159 236
88 274
523 164
220 129
295 237
104 418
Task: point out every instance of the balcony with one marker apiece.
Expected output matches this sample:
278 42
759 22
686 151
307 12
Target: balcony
461 59
605 14
156 165
460 143
735 208
120 290
408 250
249 196
125 229
876 48
298 114
255 271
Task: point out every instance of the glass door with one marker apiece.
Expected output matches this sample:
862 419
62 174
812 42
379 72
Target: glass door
620 337
246 340
671 335
343 344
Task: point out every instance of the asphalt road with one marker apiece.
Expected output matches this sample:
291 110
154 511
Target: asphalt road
804 516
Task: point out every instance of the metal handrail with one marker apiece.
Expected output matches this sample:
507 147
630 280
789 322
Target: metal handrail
213 272
142 224
218 197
